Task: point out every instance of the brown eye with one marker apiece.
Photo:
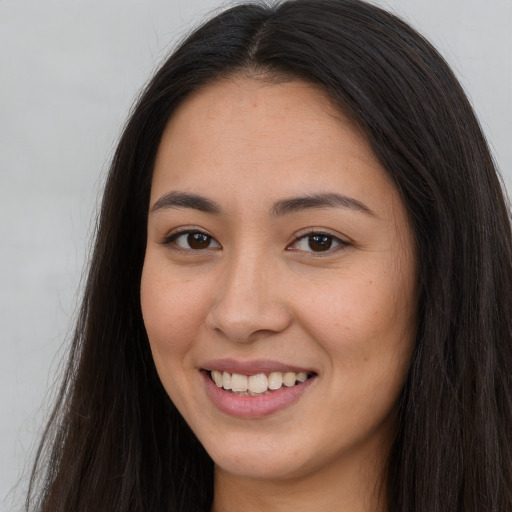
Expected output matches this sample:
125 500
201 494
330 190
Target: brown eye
318 243
198 240
193 240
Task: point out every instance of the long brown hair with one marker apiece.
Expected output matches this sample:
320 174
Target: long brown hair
115 442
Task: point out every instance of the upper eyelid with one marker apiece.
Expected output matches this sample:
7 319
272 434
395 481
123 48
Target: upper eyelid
320 231
187 229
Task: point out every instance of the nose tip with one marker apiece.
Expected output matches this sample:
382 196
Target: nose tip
250 305
239 326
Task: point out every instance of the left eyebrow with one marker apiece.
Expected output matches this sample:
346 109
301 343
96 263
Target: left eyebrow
326 200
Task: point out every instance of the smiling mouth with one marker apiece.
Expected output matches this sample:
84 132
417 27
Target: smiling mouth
257 385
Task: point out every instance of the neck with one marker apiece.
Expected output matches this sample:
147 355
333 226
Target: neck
352 488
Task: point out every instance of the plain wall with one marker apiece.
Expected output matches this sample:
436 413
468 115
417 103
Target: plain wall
69 72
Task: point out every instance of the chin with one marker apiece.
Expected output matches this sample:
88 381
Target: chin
262 461
274 468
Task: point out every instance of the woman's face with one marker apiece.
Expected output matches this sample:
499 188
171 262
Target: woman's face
278 250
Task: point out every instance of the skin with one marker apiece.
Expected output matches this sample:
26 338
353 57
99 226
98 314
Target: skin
259 291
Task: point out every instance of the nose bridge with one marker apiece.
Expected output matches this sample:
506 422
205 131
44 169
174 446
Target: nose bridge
249 302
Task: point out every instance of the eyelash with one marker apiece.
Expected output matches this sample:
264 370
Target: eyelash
319 234
329 238
170 240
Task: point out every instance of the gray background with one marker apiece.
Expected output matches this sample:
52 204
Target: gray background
69 72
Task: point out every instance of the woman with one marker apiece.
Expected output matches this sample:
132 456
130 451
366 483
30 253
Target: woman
301 285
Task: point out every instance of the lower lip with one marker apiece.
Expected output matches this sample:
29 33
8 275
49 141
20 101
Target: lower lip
253 406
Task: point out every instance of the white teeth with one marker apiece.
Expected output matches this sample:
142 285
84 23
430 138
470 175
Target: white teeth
226 380
275 380
255 385
217 377
302 376
238 382
258 383
289 379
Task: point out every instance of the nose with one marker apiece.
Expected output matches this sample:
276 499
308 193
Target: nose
251 302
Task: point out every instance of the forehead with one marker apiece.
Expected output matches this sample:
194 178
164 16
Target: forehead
263 112
287 138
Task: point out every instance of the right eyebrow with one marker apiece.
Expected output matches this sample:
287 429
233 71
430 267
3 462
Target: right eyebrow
185 200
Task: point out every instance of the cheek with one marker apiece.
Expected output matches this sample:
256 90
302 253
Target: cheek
173 311
367 329
365 318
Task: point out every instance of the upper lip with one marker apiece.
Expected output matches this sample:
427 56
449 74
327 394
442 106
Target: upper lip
252 367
